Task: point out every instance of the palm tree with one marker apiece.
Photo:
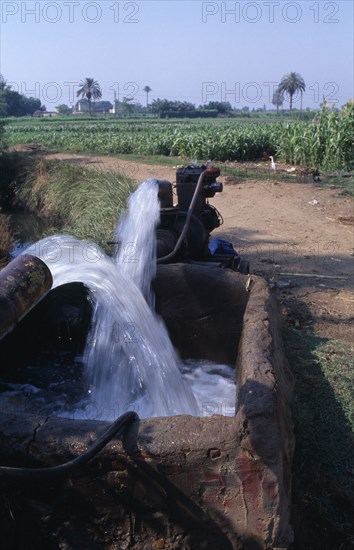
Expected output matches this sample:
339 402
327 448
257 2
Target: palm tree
3 85
90 89
278 99
147 90
291 83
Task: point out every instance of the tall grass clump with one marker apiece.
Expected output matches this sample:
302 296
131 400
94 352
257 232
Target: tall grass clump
6 238
14 167
3 141
326 143
83 202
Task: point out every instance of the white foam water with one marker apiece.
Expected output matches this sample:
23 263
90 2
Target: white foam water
62 394
131 356
112 363
213 386
136 238
130 363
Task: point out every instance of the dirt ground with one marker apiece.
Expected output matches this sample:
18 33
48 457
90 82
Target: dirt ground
299 236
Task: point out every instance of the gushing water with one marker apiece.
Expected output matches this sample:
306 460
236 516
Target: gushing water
136 238
132 355
135 258
130 360
110 343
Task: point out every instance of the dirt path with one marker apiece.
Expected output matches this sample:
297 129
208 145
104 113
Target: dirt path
302 248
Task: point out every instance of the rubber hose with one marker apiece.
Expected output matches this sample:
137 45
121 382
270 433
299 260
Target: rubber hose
186 224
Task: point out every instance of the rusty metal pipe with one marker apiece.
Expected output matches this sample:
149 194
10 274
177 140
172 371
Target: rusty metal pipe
23 283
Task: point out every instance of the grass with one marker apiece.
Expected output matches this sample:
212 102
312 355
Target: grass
170 161
323 413
284 115
14 168
83 202
344 184
6 238
262 171
246 171
160 160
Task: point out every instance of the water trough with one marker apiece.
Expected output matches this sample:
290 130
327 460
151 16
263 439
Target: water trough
185 482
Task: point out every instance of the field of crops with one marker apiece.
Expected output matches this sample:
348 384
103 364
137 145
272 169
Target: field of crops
325 143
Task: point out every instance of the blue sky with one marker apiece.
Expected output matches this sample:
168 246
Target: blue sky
197 51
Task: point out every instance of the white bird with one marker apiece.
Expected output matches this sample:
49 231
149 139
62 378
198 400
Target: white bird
273 165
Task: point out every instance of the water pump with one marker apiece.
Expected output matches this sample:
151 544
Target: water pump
184 230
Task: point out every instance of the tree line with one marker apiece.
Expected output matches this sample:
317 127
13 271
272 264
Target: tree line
13 103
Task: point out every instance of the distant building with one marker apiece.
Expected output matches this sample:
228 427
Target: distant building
98 107
45 113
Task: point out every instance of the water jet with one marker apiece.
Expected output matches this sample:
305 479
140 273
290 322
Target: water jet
185 481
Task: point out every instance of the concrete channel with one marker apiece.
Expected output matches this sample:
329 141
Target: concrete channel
183 482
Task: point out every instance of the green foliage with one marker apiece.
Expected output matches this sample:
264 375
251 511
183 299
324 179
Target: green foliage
6 237
85 203
222 107
278 98
126 106
63 109
324 143
224 141
290 84
14 104
147 90
3 144
200 113
89 89
13 169
164 108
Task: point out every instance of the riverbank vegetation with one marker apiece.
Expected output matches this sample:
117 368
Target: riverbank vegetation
5 238
83 202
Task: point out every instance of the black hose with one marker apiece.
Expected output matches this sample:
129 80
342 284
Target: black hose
8 472
186 223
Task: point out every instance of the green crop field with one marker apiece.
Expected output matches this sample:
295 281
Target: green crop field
326 142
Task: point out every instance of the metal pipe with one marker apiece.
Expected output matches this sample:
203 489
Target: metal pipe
23 283
186 224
